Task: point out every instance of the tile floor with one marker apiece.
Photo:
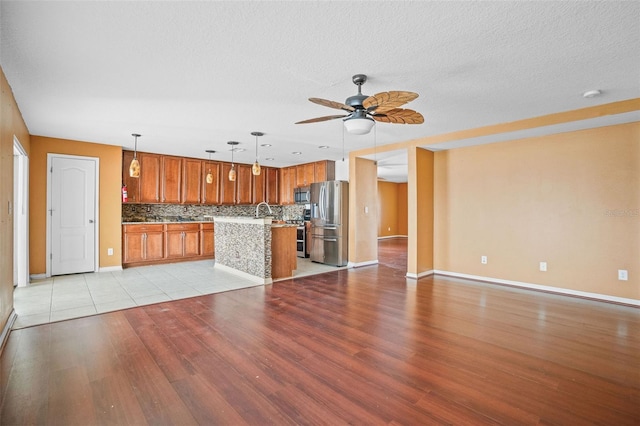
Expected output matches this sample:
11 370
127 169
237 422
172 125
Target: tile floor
79 295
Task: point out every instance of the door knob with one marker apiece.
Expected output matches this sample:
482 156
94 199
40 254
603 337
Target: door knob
90 220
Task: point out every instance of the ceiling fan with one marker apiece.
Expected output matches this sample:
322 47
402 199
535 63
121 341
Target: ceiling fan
363 110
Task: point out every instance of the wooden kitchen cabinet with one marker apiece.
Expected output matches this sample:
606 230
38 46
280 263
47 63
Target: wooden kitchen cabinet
324 170
304 174
171 178
259 187
133 184
244 193
287 184
149 177
207 240
191 181
182 240
272 189
210 191
227 187
142 243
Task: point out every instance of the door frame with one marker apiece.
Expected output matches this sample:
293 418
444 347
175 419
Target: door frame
96 250
20 214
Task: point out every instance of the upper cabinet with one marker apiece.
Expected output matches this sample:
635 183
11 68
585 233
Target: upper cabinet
244 178
259 186
177 180
210 190
305 174
149 177
171 179
227 187
324 170
287 184
191 181
272 189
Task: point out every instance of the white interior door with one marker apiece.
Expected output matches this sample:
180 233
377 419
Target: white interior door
72 211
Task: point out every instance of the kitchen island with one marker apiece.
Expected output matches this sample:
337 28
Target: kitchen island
255 248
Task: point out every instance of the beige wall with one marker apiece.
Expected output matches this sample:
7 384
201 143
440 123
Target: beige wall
392 209
387 208
110 210
402 209
11 124
363 211
570 200
420 190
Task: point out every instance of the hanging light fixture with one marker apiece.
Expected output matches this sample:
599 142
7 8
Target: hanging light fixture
232 172
134 167
209 174
256 166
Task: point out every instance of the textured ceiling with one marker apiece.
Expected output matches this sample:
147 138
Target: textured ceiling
190 76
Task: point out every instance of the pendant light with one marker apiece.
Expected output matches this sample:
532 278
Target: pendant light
134 167
256 166
209 174
232 172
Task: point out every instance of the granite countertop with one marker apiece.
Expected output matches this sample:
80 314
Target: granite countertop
165 221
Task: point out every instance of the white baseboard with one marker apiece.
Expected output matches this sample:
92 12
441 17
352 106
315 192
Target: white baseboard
37 277
531 286
420 275
359 264
7 329
245 275
110 269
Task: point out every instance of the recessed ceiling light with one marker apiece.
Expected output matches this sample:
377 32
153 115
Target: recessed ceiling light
238 149
269 159
296 153
266 145
323 146
591 93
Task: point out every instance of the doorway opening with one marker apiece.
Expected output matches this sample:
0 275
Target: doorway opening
20 215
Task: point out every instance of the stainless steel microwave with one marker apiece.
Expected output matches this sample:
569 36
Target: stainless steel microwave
302 195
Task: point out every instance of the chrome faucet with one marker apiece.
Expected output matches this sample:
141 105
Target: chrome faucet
266 204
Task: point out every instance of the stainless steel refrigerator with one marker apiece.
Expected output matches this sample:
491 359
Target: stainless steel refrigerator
330 222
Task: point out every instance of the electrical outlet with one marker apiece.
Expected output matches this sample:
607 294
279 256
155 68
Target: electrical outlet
543 266
483 260
623 275
109 251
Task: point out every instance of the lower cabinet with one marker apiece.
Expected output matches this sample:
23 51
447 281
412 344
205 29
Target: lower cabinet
143 243
165 243
207 240
182 240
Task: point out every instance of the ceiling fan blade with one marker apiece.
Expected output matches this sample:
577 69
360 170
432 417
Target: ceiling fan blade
317 119
332 104
388 100
399 116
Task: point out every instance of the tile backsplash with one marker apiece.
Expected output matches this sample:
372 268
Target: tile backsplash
150 212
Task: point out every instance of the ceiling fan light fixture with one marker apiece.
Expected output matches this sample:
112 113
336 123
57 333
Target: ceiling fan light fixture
134 167
358 125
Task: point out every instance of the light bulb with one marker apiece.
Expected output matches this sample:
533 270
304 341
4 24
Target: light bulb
232 173
209 177
256 168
